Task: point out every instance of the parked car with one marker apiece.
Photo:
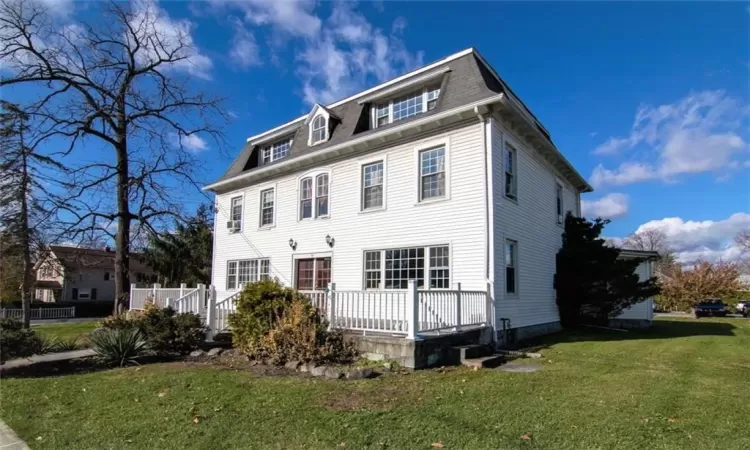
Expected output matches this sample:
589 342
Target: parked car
743 307
710 307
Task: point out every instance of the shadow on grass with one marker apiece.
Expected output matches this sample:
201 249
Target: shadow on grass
75 366
661 329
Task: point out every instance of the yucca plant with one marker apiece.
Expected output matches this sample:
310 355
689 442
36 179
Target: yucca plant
67 345
45 344
119 347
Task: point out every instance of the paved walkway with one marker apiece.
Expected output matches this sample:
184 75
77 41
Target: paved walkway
9 440
62 356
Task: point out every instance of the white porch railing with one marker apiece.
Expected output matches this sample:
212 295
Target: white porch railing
40 313
403 313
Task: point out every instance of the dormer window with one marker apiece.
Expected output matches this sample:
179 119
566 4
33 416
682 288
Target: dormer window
405 106
275 151
319 130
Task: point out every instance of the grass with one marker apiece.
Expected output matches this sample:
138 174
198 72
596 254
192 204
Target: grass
675 386
66 331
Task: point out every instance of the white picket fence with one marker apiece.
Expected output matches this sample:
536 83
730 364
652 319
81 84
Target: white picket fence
403 313
40 313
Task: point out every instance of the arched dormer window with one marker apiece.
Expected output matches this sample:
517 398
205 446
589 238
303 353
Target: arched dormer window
319 130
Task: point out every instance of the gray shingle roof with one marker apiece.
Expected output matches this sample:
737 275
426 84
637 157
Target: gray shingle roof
467 81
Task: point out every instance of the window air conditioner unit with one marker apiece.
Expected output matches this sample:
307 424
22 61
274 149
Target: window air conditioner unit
233 225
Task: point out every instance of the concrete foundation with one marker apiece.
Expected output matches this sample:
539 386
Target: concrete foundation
426 351
516 336
629 323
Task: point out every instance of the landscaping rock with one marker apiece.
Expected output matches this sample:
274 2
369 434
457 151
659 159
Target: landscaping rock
216 351
358 374
318 371
332 374
292 365
388 366
196 353
304 368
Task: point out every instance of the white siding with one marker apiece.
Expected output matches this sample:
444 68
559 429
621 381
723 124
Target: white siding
643 310
458 221
532 222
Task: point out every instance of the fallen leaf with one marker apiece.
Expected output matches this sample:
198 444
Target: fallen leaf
84 389
645 420
526 436
196 419
162 394
437 445
670 420
342 445
39 438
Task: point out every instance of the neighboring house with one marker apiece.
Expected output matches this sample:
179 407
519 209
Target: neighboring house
442 176
641 314
67 274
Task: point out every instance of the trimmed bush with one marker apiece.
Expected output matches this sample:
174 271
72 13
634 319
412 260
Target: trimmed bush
16 341
119 347
258 309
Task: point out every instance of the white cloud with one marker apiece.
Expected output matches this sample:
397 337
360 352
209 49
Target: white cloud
608 207
149 19
703 132
292 17
709 240
191 142
244 51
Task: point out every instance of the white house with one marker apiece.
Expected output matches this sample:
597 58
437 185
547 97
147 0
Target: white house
442 176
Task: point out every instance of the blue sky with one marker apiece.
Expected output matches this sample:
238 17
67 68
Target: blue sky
649 101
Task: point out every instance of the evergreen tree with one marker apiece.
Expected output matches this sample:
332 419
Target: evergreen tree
184 255
593 283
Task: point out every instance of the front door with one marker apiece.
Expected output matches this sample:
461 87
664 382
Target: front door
313 274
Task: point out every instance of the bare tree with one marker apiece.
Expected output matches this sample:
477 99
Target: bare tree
24 186
652 240
113 85
743 240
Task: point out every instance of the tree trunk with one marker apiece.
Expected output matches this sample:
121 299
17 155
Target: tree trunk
28 273
122 244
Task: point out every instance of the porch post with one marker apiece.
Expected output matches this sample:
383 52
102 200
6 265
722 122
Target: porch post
183 286
211 315
412 310
490 307
201 298
130 299
169 302
156 288
458 308
331 305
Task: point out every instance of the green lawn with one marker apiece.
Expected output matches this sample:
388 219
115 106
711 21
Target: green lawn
66 331
673 387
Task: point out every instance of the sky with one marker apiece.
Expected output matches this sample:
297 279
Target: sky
649 101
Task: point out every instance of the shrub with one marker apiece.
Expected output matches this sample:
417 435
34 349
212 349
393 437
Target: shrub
300 335
258 309
118 347
45 344
170 333
16 341
67 345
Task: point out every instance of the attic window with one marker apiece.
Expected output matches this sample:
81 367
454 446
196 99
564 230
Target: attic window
275 151
406 106
318 130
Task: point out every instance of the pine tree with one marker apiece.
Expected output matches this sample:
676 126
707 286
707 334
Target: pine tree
593 283
22 185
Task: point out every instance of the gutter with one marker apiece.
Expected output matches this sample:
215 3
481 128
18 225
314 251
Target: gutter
353 142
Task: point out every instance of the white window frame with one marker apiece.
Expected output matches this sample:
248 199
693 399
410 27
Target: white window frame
324 128
268 148
258 271
559 203
261 207
513 193
241 199
366 162
424 91
514 255
418 149
427 268
314 198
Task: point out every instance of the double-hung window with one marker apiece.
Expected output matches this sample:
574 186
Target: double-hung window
432 173
318 130
511 263
267 201
275 151
393 268
405 106
247 271
314 192
559 194
372 185
236 213
511 190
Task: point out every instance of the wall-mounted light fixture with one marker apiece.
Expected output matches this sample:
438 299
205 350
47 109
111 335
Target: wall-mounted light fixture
330 240
293 244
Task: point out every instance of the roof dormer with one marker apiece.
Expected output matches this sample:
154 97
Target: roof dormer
320 125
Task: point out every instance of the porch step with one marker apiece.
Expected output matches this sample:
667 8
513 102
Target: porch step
484 362
472 351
